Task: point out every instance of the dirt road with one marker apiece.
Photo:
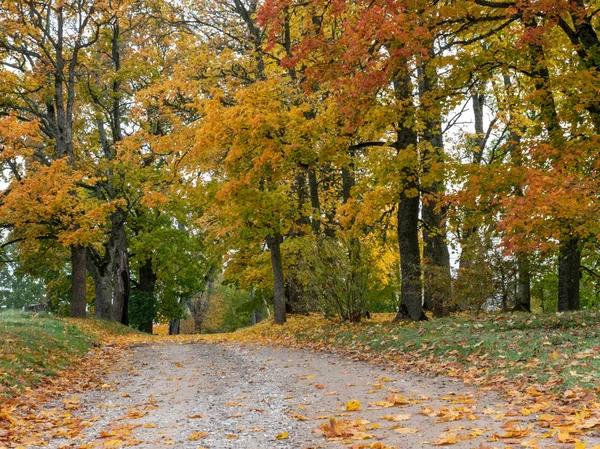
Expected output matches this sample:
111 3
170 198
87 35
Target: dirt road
252 397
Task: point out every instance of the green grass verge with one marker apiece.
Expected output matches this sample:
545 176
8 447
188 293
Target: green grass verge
34 346
559 351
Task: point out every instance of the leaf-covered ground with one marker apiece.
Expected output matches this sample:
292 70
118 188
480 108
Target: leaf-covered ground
543 367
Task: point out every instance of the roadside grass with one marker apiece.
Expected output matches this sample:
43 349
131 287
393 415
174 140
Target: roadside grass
554 353
36 346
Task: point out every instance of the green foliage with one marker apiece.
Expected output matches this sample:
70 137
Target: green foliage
59 293
231 308
544 287
382 300
142 309
177 254
169 309
18 289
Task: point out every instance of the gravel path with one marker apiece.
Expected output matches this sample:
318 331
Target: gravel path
252 397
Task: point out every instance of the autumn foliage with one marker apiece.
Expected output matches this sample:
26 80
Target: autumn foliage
445 150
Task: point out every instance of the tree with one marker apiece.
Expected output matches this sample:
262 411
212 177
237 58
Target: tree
41 63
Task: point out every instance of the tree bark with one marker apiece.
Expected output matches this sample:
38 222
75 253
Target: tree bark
569 265
348 180
103 287
436 257
146 285
274 244
411 306
122 278
78 284
523 297
110 273
411 301
174 327
296 302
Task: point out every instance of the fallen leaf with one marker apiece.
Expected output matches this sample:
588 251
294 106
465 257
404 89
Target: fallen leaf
197 436
353 405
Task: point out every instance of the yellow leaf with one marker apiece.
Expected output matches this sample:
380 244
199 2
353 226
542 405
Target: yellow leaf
405 430
566 437
532 444
282 436
353 405
580 445
445 439
396 418
197 435
113 443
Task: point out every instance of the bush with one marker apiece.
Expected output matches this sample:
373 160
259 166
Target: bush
338 273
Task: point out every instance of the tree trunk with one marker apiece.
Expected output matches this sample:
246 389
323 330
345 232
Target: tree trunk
347 181
411 306
436 257
569 264
411 302
122 279
110 273
328 182
274 244
103 288
146 285
523 297
174 327
78 284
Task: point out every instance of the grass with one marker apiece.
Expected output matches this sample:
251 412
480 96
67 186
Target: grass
557 351
36 346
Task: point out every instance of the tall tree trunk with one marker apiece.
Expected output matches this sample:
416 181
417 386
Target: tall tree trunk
411 306
436 256
523 297
523 294
302 195
63 121
146 285
328 182
122 278
110 273
78 284
411 301
569 265
274 244
470 244
174 327
103 287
